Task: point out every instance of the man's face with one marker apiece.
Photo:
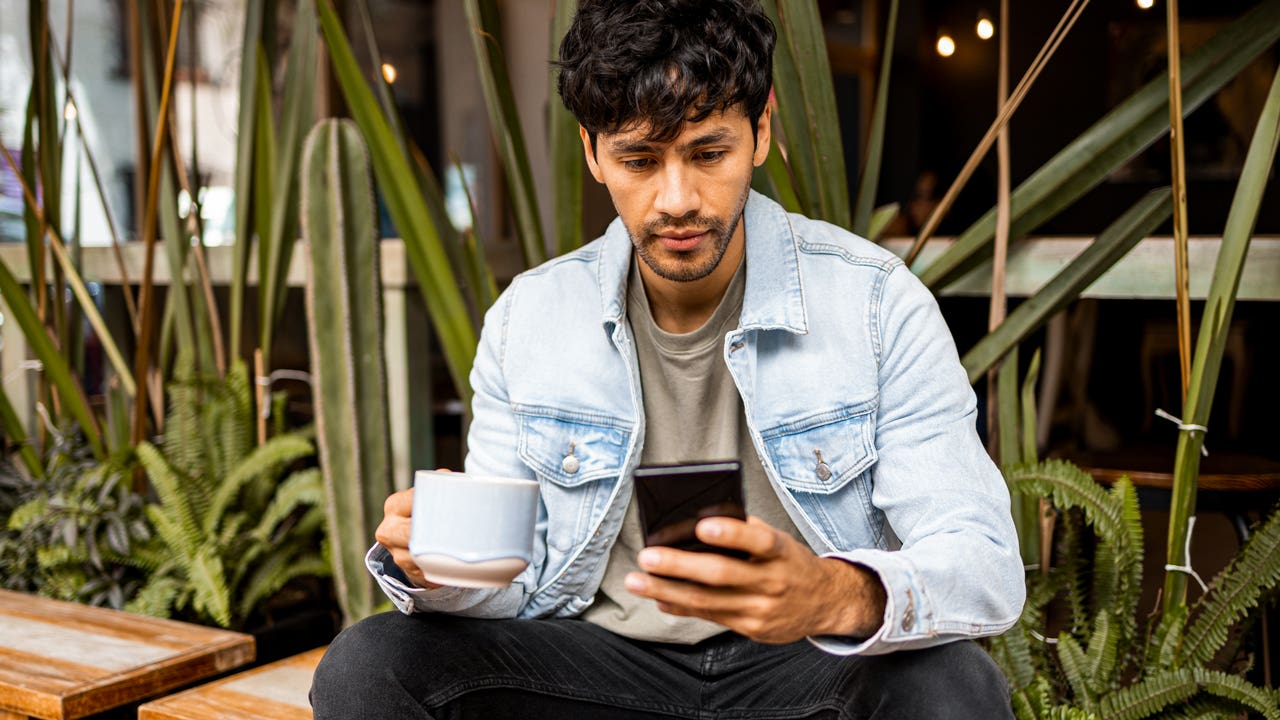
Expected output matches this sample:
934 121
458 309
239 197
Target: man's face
681 201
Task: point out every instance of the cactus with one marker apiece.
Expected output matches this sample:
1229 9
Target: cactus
339 224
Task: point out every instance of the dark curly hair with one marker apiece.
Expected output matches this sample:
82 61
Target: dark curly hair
664 62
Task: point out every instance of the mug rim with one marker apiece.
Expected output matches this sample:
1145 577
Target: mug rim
476 477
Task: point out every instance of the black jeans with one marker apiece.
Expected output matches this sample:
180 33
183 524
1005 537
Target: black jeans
441 667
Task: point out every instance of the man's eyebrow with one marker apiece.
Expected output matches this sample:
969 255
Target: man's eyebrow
622 146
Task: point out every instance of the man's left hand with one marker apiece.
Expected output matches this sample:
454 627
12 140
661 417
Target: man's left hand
781 594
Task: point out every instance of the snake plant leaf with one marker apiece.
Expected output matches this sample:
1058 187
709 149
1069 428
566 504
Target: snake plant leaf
339 221
296 117
482 16
455 246
407 208
566 146
881 218
1120 135
1214 328
55 366
1114 243
862 213
243 183
774 179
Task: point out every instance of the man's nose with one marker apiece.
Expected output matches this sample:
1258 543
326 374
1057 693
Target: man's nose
677 193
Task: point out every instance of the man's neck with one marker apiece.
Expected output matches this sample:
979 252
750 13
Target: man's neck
682 307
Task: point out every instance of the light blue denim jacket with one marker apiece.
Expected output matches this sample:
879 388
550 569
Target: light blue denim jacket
839 350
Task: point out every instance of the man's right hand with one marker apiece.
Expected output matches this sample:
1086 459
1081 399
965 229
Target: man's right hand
393 534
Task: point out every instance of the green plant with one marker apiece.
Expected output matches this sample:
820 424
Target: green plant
343 301
72 532
235 522
1099 666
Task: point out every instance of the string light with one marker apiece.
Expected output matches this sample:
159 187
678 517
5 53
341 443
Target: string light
946 45
389 72
69 112
986 28
1146 4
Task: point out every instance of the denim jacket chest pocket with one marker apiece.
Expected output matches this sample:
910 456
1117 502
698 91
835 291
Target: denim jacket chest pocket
578 459
824 461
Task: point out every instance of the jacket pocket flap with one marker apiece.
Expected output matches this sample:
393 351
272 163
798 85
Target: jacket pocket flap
822 453
570 449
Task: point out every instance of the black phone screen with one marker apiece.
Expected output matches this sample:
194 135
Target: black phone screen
673 498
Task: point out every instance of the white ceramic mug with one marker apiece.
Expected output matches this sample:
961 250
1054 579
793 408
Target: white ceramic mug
472 530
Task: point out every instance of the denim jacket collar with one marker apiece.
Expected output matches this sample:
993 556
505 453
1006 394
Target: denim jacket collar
774 297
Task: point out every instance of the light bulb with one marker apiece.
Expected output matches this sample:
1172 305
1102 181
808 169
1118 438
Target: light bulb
1146 4
986 28
946 46
389 72
69 112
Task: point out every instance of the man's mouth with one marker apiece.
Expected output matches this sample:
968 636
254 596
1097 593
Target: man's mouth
681 240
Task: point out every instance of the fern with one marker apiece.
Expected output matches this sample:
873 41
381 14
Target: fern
1076 668
1236 689
1067 712
1149 696
1075 572
264 461
267 580
1101 657
156 597
1236 590
301 488
1163 651
184 531
208 580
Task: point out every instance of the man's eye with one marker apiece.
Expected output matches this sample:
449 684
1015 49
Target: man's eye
710 156
637 163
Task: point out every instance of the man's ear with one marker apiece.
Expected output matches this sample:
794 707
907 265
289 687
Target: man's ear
763 136
590 154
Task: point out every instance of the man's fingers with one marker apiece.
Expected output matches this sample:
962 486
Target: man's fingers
700 567
755 536
399 503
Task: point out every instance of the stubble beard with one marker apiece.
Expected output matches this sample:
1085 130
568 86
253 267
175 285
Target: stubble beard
687 267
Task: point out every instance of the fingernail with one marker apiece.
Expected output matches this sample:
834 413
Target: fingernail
712 529
634 582
647 558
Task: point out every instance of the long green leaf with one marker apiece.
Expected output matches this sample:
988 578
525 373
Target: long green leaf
866 200
16 434
1120 135
408 211
800 32
455 246
1214 328
54 364
296 117
246 132
779 184
1114 243
566 146
482 16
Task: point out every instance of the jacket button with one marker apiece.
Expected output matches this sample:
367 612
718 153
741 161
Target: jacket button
823 471
570 464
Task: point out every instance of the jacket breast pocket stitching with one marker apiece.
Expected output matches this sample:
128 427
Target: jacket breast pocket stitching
546 442
840 439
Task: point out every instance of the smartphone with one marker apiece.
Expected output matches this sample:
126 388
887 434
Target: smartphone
673 498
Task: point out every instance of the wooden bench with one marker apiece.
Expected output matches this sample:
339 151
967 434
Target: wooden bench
272 692
60 660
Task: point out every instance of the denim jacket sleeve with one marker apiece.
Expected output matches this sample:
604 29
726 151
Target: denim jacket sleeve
492 451
958 573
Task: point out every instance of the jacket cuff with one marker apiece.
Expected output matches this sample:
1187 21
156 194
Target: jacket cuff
407 597
907 613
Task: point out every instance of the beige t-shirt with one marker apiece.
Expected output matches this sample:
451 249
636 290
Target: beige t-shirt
692 413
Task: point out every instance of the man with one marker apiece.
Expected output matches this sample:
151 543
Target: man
707 324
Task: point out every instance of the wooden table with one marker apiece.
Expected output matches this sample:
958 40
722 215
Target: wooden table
278 691
63 660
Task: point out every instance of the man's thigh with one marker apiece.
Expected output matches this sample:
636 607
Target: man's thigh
440 667
949 682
